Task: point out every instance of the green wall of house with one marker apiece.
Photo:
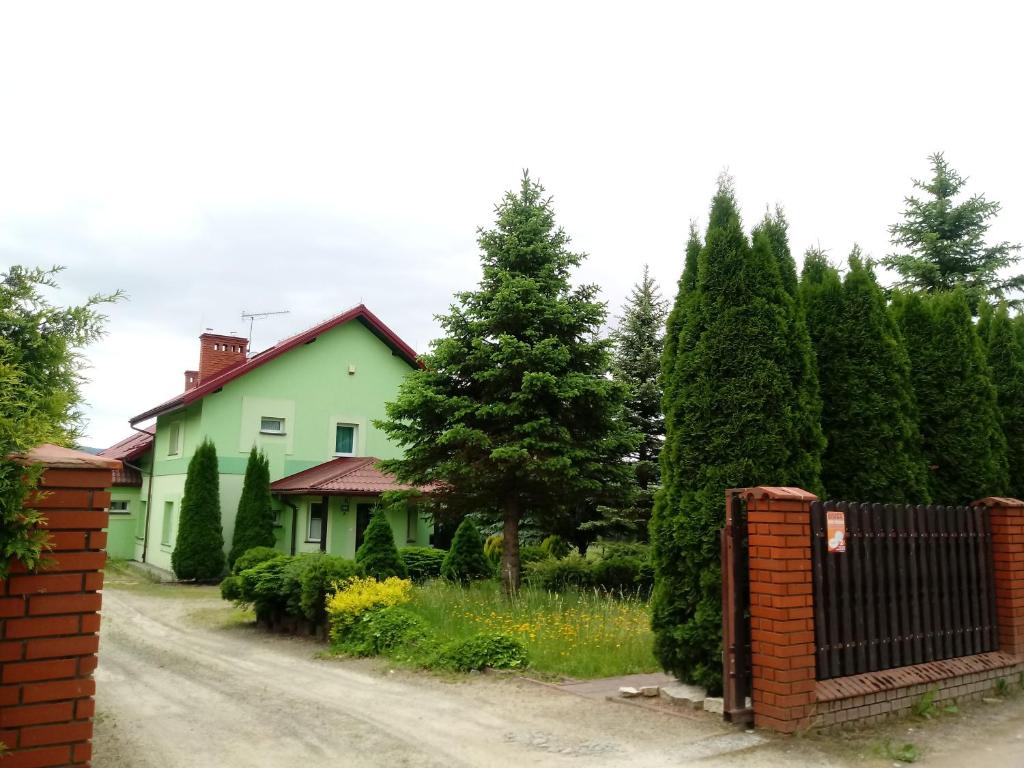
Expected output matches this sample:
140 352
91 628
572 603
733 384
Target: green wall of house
341 525
312 389
125 529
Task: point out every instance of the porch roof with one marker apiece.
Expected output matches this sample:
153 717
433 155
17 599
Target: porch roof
345 476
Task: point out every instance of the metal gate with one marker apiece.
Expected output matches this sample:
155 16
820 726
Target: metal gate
736 672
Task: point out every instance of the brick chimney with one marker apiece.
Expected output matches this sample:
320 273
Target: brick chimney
217 353
191 380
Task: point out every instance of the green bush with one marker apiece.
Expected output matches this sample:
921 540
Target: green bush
383 631
262 586
608 550
555 546
558 575
423 562
493 547
482 651
531 553
378 555
617 574
253 557
231 588
318 579
465 561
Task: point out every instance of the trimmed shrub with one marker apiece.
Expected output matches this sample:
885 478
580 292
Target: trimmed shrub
321 577
482 651
531 553
617 574
262 586
384 631
231 588
254 521
359 595
199 548
557 575
555 546
465 561
422 562
378 555
607 550
253 557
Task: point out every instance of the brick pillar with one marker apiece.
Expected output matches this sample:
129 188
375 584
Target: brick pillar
49 626
781 607
1008 561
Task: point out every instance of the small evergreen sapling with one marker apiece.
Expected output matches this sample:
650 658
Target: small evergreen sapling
199 548
254 523
378 555
465 560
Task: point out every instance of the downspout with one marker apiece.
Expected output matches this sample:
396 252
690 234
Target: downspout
295 518
149 491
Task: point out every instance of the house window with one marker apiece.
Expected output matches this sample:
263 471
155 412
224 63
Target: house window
118 507
315 528
345 440
165 530
411 524
174 439
271 425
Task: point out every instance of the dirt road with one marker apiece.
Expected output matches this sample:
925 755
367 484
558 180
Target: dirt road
182 685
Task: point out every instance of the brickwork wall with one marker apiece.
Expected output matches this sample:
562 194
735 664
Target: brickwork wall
49 625
1008 563
217 353
781 607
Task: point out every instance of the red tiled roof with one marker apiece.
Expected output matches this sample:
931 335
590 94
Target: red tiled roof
131 447
355 476
127 477
360 313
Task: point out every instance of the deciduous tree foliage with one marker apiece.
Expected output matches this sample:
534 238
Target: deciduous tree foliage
465 560
962 441
869 415
513 411
378 554
1006 362
199 547
945 242
254 522
738 418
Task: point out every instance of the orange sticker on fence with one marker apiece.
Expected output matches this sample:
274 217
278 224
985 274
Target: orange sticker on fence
836 529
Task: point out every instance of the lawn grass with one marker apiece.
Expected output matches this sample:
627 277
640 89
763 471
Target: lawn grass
573 634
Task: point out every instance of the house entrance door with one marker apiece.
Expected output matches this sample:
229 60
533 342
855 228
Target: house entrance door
363 512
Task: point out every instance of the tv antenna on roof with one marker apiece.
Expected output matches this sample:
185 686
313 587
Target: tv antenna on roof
253 316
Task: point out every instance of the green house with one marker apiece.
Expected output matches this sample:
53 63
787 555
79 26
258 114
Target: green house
309 402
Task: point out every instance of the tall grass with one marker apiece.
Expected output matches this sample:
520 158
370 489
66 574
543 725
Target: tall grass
580 634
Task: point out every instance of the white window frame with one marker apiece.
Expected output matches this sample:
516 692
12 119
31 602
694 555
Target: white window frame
309 523
355 438
119 510
279 431
175 438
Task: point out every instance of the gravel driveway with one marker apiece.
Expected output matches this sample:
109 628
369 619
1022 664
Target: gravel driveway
181 684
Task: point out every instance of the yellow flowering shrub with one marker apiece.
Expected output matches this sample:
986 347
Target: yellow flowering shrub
356 596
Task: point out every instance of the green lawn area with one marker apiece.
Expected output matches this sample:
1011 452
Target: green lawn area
573 634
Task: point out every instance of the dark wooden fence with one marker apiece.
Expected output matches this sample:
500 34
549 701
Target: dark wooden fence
914 585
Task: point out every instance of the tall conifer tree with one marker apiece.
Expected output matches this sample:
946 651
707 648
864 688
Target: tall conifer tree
199 547
1006 362
963 443
254 521
736 421
869 415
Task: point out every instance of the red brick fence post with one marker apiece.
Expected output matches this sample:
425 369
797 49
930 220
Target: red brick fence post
49 619
1007 516
781 607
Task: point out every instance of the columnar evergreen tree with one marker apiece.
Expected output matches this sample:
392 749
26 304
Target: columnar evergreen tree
945 242
775 226
465 560
254 522
869 416
199 547
963 443
639 342
1006 362
736 420
513 410
378 554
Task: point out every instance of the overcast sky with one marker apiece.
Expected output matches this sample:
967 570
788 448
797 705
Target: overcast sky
210 158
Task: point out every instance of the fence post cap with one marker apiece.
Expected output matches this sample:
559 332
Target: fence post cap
997 501
56 457
779 493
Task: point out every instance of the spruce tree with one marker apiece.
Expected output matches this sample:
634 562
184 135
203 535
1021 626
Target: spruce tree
199 548
465 560
962 441
378 554
513 411
869 416
1006 362
736 420
254 522
945 242
639 342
